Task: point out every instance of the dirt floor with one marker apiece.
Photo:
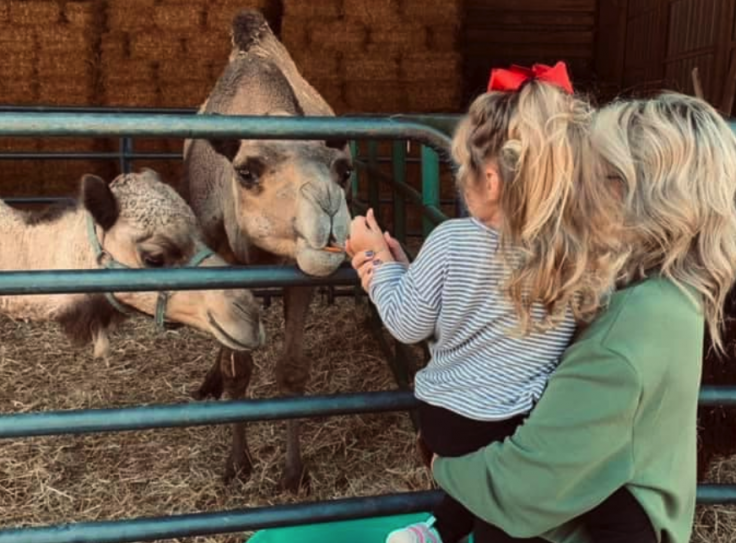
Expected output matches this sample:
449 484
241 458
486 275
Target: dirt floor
133 474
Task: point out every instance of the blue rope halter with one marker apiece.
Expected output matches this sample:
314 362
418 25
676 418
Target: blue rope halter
106 260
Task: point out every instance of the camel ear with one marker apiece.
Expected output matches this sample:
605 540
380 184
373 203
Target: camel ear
99 200
228 148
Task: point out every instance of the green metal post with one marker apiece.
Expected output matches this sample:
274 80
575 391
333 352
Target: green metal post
430 184
354 184
399 165
373 188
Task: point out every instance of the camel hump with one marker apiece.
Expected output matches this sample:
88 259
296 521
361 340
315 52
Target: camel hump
248 27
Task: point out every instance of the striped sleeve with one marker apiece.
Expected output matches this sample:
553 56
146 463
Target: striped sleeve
409 299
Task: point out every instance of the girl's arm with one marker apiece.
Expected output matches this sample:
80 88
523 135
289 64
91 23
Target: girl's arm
572 453
409 299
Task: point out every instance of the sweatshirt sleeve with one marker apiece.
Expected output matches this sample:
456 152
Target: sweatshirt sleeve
574 450
409 299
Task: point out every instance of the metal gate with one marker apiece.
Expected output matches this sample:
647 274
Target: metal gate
430 132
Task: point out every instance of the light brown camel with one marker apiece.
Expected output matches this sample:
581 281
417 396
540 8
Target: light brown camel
269 202
137 222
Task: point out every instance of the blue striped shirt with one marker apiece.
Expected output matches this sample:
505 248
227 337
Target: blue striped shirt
452 296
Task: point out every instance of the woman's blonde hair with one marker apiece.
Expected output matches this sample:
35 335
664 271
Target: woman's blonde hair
675 157
559 218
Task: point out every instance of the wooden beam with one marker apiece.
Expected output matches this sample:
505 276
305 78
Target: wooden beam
697 85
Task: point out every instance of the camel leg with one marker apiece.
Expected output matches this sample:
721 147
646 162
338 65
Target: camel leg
292 372
231 374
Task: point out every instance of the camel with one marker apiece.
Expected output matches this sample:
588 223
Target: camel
136 221
263 201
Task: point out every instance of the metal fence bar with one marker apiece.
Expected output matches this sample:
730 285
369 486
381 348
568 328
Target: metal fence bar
147 280
219 126
399 167
122 419
238 520
373 188
430 184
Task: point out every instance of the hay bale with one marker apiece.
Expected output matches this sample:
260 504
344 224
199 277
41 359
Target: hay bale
62 42
403 38
114 46
126 72
57 145
77 69
441 96
138 94
83 13
18 91
179 17
4 13
325 66
443 38
313 9
21 65
373 12
378 97
431 67
371 68
433 12
332 91
18 145
220 14
338 35
16 40
211 45
63 92
196 69
185 94
295 34
156 46
42 13
130 15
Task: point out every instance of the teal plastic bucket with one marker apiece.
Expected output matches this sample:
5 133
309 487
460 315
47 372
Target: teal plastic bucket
370 530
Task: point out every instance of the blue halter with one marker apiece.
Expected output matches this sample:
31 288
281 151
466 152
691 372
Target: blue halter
106 260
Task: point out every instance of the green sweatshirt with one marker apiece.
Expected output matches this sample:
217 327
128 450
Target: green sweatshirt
619 410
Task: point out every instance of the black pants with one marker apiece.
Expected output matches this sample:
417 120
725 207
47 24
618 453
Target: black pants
620 519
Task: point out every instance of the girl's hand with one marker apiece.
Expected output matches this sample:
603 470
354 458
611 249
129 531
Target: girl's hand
363 264
396 251
366 235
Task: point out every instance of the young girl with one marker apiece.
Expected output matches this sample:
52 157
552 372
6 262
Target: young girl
499 294
620 411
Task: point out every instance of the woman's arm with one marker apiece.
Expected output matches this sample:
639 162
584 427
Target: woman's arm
569 456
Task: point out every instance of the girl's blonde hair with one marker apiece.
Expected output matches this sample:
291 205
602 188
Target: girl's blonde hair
560 218
675 157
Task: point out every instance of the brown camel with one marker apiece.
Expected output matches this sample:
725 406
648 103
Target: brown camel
136 222
268 202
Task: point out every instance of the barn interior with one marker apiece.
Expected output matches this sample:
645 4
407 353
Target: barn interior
364 57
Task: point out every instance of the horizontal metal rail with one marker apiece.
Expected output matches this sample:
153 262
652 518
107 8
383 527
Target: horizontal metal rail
122 419
149 280
239 520
73 155
219 126
260 518
125 419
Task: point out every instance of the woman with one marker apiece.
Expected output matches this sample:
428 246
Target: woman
619 413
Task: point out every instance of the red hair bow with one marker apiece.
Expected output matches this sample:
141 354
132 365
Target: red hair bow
513 78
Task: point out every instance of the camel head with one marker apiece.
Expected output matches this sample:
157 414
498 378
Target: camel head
137 221
288 198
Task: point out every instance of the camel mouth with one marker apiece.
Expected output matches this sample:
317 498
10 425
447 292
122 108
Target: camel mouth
229 341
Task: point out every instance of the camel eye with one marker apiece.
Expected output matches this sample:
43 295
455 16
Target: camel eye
247 177
346 176
154 261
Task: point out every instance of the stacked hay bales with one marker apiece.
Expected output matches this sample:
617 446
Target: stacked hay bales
50 58
379 56
166 53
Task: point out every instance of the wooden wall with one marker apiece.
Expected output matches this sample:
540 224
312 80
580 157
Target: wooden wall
661 41
502 32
